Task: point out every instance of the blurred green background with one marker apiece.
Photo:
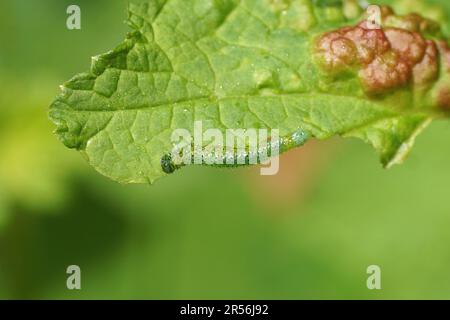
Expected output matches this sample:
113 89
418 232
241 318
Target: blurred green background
202 233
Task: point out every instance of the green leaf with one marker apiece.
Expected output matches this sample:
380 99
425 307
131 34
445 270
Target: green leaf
233 64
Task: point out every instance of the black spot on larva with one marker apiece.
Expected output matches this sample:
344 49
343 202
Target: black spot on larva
167 164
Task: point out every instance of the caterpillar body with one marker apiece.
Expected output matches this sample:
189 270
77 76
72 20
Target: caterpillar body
234 157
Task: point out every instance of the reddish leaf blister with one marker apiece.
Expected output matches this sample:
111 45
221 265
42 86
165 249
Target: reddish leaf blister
387 58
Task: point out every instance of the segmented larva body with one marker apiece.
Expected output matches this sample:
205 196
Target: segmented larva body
237 158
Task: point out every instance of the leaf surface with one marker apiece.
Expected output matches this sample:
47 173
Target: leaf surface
230 64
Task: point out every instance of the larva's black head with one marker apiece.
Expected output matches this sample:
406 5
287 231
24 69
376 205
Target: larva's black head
167 164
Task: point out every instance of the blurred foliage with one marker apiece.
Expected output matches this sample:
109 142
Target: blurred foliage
33 165
201 233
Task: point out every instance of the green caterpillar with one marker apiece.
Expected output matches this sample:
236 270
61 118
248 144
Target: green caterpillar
234 158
